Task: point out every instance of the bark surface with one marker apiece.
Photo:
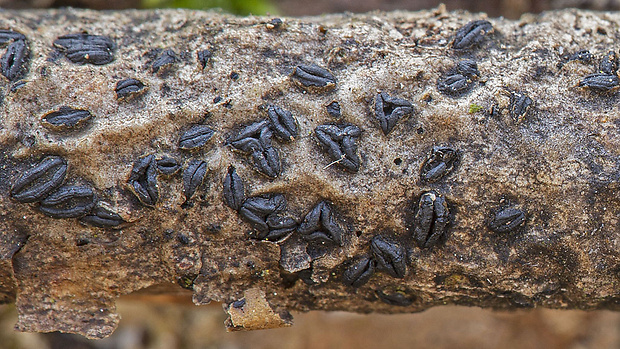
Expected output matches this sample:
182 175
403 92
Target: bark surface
521 163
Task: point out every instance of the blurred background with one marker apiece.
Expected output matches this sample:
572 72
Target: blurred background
173 322
164 323
496 8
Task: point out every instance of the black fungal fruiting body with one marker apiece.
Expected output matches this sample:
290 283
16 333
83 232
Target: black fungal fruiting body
468 68
43 184
471 34
234 192
279 227
256 210
68 202
453 84
263 212
252 131
431 220
391 256
389 110
102 217
66 119
128 87
85 48
283 123
506 220
143 180
333 109
164 60
320 227
197 136
8 36
203 57
397 298
36 183
314 76
238 304
193 176
439 163
600 82
459 79
609 64
359 272
339 141
14 62
274 23
167 166
520 104
255 140
18 84
265 158
583 56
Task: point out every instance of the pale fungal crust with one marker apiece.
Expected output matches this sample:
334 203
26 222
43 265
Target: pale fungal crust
554 155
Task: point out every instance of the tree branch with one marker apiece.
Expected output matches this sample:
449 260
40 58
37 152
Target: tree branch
471 163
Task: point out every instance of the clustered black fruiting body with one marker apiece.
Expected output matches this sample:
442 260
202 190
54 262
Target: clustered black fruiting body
320 228
256 140
460 79
43 184
389 110
14 61
264 213
606 78
340 142
86 48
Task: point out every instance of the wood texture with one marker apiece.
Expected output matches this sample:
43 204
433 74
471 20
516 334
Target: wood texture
555 158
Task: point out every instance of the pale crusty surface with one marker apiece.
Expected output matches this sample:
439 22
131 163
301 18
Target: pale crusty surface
560 164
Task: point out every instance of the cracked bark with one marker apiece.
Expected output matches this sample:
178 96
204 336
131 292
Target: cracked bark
557 160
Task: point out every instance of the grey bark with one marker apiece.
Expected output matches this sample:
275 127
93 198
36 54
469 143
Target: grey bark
527 139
